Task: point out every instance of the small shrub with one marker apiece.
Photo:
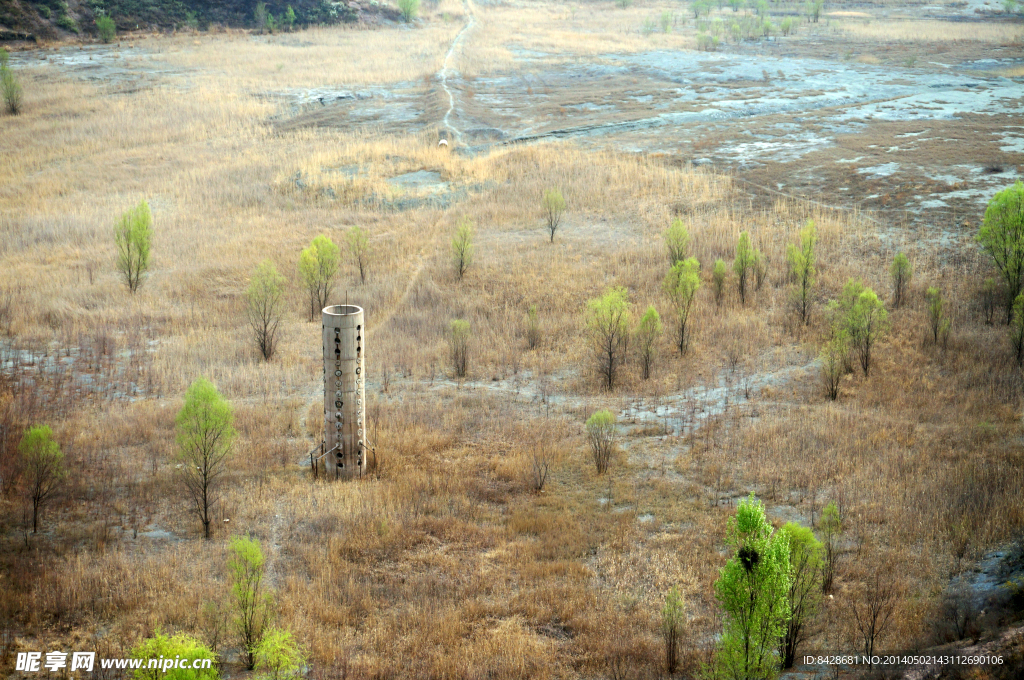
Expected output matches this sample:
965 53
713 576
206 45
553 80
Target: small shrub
458 345
68 23
409 9
718 275
532 328
554 208
673 616
666 21
648 333
623 4
938 321
902 272
133 236
166 649
601 435
786 26
462 248
9 86
107 28
677 242
278 656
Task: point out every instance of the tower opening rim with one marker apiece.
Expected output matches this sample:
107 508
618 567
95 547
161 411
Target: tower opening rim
342 310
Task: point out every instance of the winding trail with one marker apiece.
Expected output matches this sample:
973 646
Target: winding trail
447 71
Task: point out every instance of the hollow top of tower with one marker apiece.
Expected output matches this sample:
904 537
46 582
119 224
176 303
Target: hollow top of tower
342 310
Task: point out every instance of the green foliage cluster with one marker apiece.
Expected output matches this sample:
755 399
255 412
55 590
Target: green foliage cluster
409 9
318 265
458 344
753 588
133 236
600 429
10 88
681 285
608 322
254 605
860 319
677 242
901 272
938 321
802 269
462 248
648 333
180 646
1002 236
106 28
205 434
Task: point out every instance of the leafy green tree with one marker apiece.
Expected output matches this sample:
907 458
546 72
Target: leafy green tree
1017 329
318 265
673 616
753 589
901 271
608 323
831 528
813 9
648 333
801 266
458 345
107 28
677 242
743 265
44 470
718 275
1002 236
289 18
409 9
804 589
279 656
681 284
359 249
174 656
205 433
462 247
133 235
862 316
938 321
10 89
264 303
554 208
601 435
254 606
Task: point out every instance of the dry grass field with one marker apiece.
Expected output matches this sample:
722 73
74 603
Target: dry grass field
446 562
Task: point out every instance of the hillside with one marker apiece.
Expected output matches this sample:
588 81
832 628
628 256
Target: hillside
51 19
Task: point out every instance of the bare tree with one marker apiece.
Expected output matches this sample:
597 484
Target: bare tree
873 607
359 249
554 208
462 248
43 468
264 302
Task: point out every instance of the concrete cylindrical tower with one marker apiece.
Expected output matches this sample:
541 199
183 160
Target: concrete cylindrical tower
344 434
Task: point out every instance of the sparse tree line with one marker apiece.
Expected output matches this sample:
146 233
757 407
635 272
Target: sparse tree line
318 268
857 320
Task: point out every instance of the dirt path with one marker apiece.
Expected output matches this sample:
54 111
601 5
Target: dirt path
447 71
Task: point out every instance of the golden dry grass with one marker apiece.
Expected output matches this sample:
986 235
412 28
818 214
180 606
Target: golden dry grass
445 563
930 30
